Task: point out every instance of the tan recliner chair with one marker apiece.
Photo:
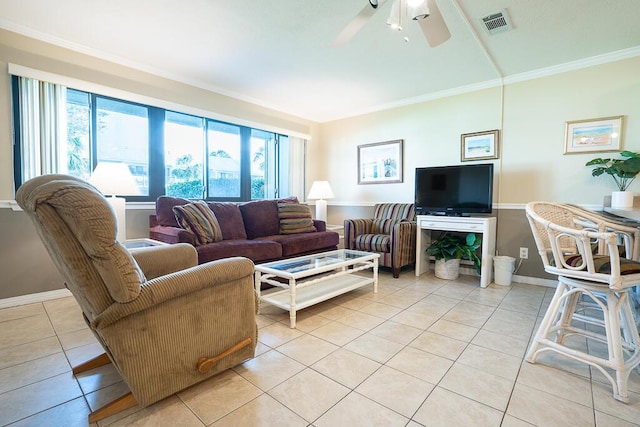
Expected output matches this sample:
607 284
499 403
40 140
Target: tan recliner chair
164 322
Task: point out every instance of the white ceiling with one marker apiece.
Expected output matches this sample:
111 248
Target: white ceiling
278 53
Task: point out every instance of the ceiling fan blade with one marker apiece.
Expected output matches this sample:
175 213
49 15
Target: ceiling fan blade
356 24
433 26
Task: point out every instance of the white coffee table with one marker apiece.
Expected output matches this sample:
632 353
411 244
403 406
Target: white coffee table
142 243
332 276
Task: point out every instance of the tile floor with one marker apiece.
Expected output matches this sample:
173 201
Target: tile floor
420 352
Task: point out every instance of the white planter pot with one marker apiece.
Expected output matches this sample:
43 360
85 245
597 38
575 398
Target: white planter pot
448 270
622 199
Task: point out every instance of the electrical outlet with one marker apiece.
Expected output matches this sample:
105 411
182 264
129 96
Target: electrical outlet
524 253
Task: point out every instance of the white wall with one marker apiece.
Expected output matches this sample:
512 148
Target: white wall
535 116
531 164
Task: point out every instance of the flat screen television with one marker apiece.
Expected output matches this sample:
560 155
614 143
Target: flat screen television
459 190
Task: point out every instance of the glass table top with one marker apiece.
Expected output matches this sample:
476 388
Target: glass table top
333 259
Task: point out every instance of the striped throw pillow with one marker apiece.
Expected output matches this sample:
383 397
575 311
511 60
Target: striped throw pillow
295 218
198 218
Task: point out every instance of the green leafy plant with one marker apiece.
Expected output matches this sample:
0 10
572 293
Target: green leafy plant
454 246
623 171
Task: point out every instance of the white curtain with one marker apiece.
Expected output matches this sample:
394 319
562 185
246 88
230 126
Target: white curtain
43 128
298 150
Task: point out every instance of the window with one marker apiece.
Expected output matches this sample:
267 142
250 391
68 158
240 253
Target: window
122 136
263 172
168 152
224 160
183 155
78 141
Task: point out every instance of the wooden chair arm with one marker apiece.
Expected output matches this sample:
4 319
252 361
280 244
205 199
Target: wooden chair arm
206 363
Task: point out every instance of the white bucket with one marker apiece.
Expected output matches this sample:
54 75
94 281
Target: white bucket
503 268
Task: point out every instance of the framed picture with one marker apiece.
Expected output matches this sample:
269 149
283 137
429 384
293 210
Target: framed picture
479 145
593 135
380 163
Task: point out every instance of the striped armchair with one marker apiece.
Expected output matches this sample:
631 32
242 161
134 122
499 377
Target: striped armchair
391 233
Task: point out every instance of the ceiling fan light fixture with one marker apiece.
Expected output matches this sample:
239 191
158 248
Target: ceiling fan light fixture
395 25
395 18
420 11
373 3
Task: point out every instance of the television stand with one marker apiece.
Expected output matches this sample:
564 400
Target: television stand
447 214
472 224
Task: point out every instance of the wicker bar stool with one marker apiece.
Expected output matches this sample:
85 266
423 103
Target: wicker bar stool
584 251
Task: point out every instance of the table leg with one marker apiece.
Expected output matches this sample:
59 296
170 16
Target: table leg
256 284
375 276
292 303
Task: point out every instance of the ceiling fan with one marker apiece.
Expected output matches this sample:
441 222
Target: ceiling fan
424 12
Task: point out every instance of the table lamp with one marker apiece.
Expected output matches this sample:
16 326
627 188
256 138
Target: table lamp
321 190
112 179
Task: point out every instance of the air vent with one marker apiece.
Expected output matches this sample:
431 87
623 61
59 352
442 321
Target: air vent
497 22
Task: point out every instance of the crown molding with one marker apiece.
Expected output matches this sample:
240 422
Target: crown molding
515 78
606 58
140 66
544 72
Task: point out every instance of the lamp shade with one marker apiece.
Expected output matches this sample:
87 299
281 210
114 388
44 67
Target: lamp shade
320 190
113 178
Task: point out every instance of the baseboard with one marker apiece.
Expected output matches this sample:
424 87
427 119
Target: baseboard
527 280
534 281
34 298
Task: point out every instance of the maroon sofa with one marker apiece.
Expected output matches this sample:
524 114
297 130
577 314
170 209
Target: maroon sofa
249 229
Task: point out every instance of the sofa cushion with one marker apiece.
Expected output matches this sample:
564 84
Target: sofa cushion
295 218
256 250
292 199
261 216
200 220
164 210
298 244
230 220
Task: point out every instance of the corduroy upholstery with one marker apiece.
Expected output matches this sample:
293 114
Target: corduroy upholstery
391 233
155 311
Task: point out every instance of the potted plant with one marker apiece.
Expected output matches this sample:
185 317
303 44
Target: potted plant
623 171
449 249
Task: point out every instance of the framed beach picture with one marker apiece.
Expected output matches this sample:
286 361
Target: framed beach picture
380 163
479 145
593 135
